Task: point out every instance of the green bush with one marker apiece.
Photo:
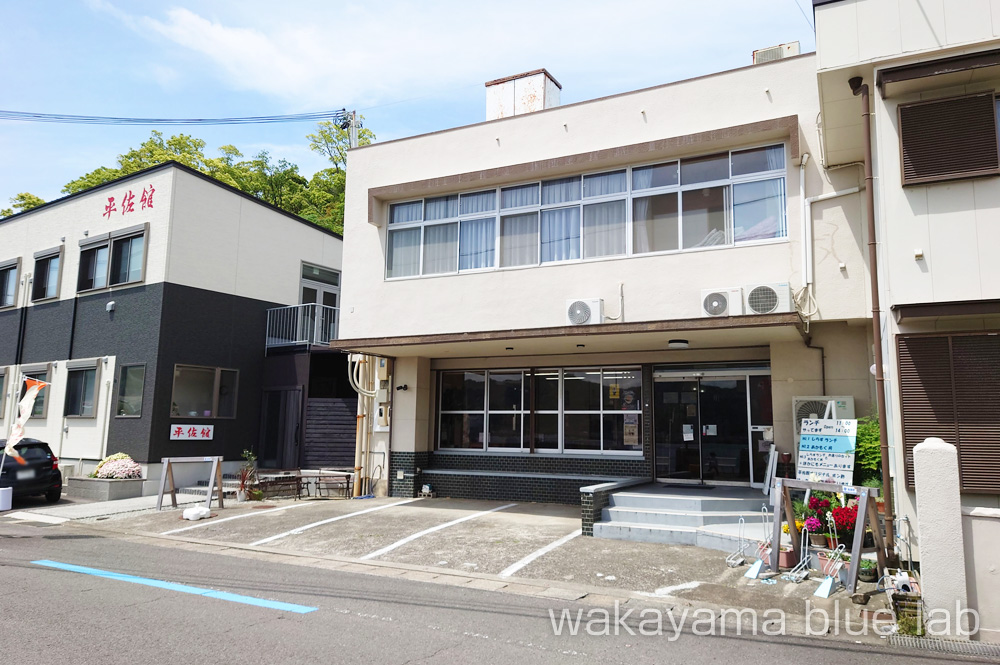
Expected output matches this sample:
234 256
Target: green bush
868 453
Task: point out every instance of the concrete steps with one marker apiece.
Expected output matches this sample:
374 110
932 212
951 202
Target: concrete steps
706 518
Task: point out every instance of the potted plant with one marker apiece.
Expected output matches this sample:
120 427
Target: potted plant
844 518
815 528
867 570
245 476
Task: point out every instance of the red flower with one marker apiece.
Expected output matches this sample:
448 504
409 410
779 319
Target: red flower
845 518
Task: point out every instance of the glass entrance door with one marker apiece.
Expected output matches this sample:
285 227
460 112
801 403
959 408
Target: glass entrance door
711 426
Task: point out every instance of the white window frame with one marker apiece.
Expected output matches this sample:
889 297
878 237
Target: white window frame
83 366
628 195
15 266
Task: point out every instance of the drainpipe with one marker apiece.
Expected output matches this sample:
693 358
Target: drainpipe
858 87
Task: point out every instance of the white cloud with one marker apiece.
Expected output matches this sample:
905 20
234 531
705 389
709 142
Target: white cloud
318 55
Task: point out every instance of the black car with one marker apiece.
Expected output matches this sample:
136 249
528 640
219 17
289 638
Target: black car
40 475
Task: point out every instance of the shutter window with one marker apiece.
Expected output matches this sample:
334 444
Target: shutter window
950 387
944 139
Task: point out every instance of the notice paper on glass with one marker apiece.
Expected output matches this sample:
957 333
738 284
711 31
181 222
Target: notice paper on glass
688 432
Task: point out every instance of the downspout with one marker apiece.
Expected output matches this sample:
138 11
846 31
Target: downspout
23 319
858 87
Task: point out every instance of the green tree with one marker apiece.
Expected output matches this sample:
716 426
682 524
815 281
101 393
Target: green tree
333 141
155 150
20 203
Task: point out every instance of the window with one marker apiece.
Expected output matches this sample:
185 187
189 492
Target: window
40 409
3 392
724 199
130 386
81 392
112 259
204 392
46 276
8 283
944 139
592 410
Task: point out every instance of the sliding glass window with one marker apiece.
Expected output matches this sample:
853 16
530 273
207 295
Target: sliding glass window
718 200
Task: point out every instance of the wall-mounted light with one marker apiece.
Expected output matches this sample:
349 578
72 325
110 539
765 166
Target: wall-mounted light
918 254
678 344
510 348
402 387
580 346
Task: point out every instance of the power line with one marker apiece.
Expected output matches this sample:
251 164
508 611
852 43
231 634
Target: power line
340 116
804 15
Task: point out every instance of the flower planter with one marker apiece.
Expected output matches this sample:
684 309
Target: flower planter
817 540
868 574
104 489
786 559
241 495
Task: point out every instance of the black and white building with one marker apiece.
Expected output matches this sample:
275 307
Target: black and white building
173 316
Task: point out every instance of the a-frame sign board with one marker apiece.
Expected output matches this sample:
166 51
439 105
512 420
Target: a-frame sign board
867 516
167 474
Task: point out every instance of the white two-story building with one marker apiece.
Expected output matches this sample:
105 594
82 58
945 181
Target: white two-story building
638 286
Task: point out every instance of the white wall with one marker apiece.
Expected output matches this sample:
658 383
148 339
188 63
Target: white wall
853 31
72 438
223 242
656 287
68 222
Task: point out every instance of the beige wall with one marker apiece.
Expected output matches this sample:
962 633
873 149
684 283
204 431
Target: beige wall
656 287
853 31
981 529
223 242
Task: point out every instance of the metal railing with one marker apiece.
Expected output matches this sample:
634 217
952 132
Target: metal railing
301 324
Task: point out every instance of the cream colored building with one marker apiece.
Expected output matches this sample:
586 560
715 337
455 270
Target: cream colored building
677 215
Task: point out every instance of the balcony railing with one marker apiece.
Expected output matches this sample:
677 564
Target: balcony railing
301 325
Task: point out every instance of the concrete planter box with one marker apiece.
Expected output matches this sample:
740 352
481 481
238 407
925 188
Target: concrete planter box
101 489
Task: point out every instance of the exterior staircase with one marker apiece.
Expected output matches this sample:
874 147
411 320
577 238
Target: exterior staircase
707 518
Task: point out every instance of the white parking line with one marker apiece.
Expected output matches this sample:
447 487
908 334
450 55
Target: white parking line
408 539
510 570
298 530
236 517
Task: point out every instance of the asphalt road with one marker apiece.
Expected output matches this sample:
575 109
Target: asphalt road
56 616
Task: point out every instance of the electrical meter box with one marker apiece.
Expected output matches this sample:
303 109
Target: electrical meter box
383 369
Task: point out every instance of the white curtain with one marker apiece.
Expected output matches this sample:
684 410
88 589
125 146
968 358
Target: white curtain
403 253
519 240
441 207
440 248
471 204
561 190
642 178
8 284
603 184
604 229
477 243
560 234
405 212
642 223
515 197
775 157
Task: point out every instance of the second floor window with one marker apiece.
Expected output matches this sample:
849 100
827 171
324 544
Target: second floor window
724 199
46 277
8 285
111 260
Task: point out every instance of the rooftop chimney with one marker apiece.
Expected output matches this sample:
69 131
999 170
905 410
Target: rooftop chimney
521 93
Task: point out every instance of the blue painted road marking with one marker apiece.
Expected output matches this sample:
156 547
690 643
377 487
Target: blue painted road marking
183 588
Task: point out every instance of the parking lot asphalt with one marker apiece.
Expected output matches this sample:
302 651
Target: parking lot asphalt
518 541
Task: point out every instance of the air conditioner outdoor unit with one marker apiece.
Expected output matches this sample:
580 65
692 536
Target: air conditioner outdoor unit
773 53
722 302
768 298
584 311
815 407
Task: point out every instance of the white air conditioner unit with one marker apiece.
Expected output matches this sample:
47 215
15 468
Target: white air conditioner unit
584 311
815 407
772 53
768 298
722 302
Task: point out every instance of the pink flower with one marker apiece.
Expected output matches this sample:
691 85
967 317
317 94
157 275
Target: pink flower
813 525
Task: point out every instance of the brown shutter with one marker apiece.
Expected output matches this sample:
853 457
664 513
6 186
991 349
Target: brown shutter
944 139
925 386
976 360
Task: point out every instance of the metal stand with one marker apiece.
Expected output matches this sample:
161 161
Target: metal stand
214 480
867 516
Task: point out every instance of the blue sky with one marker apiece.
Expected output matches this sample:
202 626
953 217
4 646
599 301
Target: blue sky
408 67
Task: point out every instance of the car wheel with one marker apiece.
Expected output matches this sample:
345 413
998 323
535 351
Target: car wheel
53 496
